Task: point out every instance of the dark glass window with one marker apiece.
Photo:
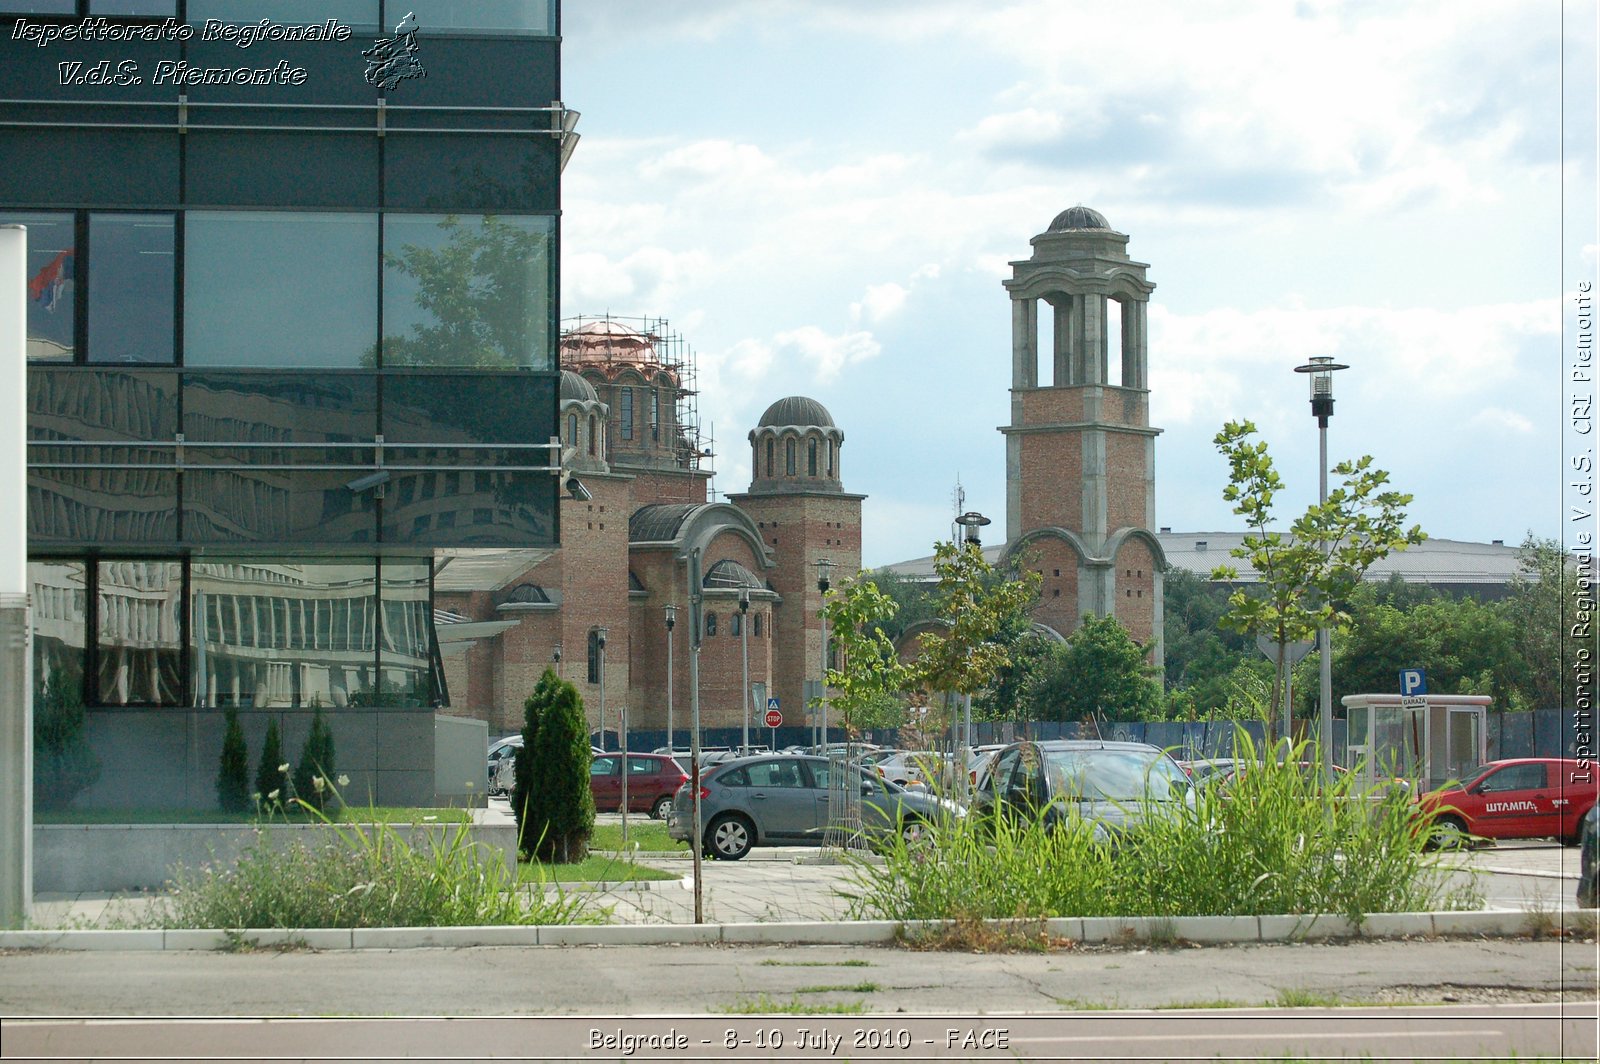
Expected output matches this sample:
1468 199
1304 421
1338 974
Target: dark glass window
811 458
655 415
625 418
788 461
830 458
757 626
735 624
131 277
280 289
572 430
52 287
287 12
148 8
594 656
39 7
466 290
282 634
59 600
139 633
507 16
771 467
711 623
594 433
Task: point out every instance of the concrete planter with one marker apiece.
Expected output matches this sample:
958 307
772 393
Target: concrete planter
95 858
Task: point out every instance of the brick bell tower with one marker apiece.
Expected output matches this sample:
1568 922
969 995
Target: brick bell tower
1080 452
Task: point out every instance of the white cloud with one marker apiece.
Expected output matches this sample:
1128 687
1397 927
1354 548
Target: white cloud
829 354
1495 418
881 301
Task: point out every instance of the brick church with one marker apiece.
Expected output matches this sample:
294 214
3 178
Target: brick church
597 608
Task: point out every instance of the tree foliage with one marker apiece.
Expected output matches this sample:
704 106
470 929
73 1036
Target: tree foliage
867 685
1306 577
233 768
975 603
1099 672
1549 609
552 799
270 778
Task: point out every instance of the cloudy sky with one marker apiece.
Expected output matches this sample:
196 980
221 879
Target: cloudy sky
823 196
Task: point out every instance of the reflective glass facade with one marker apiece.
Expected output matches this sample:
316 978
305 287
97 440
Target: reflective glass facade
287 340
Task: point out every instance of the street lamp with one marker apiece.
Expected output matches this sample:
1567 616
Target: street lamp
971 523
600 670
824 571
1321 370
744 640
555 656
672 619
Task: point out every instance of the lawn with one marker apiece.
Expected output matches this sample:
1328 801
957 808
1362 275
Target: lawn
596 868
649 836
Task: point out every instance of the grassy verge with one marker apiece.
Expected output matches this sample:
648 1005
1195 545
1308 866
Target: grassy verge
648 836
348 815
1274 841
596 868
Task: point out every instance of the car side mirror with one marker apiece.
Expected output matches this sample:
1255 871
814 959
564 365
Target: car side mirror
866 787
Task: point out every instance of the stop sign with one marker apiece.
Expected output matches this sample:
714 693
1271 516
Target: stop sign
774 718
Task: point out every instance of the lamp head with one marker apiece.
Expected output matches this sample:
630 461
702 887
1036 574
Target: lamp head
824 572
971 522
600 637
555 653
744 601
1321 369
672 616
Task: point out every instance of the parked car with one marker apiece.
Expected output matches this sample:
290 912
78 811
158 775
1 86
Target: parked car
652 781
1208 770
1589 859
502 750
1113 784
782 800
921 768
1519 798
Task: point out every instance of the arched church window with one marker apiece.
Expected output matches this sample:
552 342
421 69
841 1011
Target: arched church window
811 458
788 457
771 465
594 432
572 430
711 623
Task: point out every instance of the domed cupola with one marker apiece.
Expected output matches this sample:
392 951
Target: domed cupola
795 448
583 423
1080 217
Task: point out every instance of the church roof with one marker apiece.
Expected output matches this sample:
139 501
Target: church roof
796 410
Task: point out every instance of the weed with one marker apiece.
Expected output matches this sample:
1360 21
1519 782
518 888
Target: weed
968 932
853 988
1295 998
1219 1003
774 963
764 1005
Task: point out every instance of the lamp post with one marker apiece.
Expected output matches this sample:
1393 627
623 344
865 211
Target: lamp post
555 657
824 572
744 641
697 842
971 522
672 619
1321 370
600 670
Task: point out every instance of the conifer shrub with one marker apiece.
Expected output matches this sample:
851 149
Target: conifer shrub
233 771
556 805
270 779
63 763
313 774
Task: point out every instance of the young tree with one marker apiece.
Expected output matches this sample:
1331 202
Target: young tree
559 815
313 775
233 772
1546 610
1308 576
526 804
1099 672
269 773
975 603
870 674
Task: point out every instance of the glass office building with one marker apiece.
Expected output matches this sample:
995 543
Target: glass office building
292 276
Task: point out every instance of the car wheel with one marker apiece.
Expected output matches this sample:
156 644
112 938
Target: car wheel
663 807
914 831
730 837
1450 833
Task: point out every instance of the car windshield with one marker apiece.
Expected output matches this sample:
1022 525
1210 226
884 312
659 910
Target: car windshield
1115 775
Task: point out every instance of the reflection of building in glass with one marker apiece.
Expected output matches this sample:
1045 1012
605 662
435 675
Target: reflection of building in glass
273 370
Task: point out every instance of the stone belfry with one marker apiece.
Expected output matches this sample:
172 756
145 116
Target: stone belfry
1080 452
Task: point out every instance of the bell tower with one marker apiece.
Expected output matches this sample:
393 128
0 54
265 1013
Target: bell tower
1080 452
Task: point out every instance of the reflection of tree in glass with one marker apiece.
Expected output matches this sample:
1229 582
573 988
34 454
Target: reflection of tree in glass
475 289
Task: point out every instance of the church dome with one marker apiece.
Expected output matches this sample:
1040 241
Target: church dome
607 340
796 410
575 389
1079 217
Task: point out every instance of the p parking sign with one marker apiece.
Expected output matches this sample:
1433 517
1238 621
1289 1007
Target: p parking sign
1413 683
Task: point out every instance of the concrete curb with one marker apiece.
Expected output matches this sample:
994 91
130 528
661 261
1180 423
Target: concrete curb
1114 930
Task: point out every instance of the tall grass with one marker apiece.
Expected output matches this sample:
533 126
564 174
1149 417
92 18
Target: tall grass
361 876
1274 839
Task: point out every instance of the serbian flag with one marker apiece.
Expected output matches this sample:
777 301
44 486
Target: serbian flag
46 285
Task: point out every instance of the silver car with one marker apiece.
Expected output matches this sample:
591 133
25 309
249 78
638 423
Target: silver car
782 800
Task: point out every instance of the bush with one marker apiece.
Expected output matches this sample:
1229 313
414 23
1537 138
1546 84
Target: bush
363 876
1274 840
233 773
313 775
63 763
270 775
552 799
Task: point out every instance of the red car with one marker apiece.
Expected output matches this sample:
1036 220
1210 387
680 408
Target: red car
652 781
1522 798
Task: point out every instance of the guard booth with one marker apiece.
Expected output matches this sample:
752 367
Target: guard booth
1427 739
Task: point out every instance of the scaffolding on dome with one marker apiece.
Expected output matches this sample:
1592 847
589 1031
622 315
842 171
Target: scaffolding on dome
625 344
